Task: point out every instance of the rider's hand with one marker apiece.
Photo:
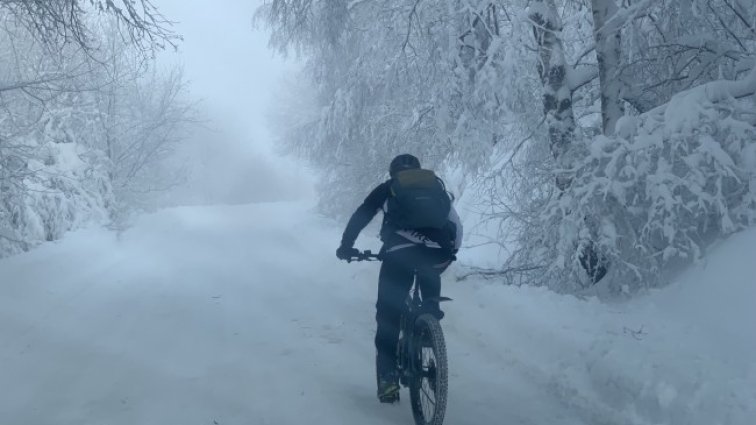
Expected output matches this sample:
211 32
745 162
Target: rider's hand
347 252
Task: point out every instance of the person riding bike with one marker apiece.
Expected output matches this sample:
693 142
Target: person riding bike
407 252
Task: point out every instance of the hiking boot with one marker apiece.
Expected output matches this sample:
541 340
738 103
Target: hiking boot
388 389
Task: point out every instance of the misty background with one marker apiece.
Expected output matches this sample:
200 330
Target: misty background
236 79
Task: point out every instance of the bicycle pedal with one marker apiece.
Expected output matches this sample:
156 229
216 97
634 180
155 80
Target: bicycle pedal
390 399
389 393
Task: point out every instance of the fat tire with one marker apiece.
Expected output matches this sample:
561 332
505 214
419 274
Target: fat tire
427 327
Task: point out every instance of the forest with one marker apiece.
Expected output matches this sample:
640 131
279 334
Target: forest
594 137
585 139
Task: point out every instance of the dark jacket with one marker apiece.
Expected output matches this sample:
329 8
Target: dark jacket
392 237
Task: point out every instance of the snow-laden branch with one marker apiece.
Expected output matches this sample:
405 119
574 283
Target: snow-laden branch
715 91
41 82
63 21
662 188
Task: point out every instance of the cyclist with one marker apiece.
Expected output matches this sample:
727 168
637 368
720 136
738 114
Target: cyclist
406 252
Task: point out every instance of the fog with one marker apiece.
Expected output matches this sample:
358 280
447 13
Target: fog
232 156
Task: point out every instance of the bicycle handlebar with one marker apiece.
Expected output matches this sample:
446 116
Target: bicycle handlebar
365 256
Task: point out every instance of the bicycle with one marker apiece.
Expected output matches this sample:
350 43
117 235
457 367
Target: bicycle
421 356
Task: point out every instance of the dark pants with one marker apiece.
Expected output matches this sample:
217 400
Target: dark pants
394 282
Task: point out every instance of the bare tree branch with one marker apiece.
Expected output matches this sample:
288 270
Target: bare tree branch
57 22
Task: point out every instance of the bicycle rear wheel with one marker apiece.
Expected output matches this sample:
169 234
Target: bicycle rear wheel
429 383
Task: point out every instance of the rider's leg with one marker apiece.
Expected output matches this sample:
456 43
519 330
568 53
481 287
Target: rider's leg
394 282
429 272
430 289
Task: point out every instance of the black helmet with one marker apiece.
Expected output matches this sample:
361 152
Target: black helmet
403 162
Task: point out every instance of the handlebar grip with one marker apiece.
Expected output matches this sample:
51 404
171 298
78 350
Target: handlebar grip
364 256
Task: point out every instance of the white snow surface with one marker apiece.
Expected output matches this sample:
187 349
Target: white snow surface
242 315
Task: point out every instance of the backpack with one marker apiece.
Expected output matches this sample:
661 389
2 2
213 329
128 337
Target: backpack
418 200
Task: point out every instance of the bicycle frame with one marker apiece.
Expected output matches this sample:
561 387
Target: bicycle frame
413 308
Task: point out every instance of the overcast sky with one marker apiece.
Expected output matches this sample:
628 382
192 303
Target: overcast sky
230 68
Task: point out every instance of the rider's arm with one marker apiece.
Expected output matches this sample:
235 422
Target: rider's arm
365 213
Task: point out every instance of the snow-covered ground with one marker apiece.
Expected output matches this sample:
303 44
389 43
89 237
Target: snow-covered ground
242 315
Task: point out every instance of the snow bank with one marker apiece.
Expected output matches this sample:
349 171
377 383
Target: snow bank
682 355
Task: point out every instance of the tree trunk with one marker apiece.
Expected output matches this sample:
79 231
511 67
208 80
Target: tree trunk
557 96
608 53
559 115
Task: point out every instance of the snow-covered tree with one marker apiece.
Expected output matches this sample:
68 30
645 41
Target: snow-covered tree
515 96
671 172
62 164
402 76
49 182
142 114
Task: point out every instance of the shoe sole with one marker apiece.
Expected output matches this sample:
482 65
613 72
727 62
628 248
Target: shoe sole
390 399
391 395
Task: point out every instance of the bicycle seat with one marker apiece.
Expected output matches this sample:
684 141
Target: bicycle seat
437 299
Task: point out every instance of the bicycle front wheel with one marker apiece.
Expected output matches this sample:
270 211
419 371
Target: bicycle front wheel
429 382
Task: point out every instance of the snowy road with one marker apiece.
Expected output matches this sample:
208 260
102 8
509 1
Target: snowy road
242 315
